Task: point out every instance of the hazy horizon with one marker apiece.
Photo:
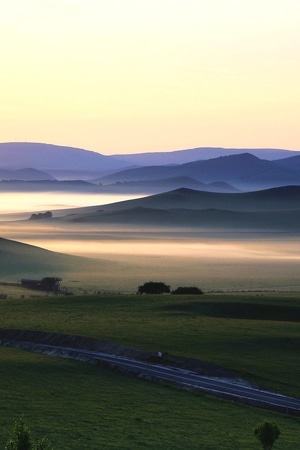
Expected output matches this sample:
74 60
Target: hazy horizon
168 150
20 205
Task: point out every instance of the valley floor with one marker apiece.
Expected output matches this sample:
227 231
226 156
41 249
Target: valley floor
121 259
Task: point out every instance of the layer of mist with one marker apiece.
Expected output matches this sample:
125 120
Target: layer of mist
118 256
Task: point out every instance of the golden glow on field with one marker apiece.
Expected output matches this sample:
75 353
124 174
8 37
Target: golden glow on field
127 259
213 250
126 76
224 259
24 203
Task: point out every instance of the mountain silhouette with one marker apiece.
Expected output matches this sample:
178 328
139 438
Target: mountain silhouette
243 171
20 155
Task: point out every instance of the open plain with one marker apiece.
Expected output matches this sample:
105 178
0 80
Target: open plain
246 322
255 337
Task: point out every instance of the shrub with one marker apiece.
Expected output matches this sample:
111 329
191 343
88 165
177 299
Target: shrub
21 439
154 287
267 433
189 290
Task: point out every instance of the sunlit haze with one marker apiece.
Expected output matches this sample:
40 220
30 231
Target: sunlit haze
133 76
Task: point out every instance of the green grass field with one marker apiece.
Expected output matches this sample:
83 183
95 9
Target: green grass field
79 406
255 335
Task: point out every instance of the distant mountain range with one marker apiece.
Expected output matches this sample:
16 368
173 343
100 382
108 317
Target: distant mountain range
200 153
243 171
46 157
210 169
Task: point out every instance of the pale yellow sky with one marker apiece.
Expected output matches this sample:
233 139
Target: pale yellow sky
125 76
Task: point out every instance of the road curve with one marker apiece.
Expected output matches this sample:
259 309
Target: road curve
224 388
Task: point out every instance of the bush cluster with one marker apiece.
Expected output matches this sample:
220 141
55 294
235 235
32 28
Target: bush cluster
158 287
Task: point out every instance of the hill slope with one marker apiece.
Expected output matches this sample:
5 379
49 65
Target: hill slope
22 260
282 198
20 155
213 219
18 260
49 186
277 209
24 175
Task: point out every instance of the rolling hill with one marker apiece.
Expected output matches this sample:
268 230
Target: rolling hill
277 209
162 185
19 260
49 186
24 175
291 163
213 219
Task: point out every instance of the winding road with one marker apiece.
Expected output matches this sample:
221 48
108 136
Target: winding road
225 388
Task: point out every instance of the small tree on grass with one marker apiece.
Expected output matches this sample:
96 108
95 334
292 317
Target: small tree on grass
43 444
154 287
187 290
267 433
21 439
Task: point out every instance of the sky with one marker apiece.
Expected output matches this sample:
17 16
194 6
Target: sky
130 76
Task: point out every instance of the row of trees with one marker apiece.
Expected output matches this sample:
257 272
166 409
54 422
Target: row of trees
158 287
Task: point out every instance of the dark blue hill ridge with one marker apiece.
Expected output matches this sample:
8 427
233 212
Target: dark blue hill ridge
244 171
274 199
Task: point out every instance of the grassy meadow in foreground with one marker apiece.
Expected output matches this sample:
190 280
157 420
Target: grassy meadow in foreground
256 336
78 406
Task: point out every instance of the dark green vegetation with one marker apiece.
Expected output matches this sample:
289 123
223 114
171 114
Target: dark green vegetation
267 433
187 290
255 335
154 287
21 438
79 406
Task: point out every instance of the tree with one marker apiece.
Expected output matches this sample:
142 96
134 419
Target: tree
267 433
154 287
189 290
21 439
38 216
